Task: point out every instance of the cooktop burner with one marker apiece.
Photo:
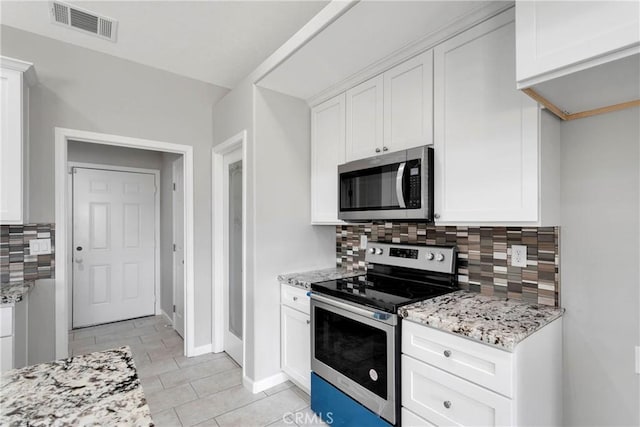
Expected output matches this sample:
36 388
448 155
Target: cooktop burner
382 293
397 275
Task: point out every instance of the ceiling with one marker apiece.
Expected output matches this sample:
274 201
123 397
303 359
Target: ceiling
219 42
364 35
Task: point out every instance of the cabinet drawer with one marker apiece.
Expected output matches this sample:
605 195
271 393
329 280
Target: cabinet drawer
6 321
409 419
480 363
6 353
444 399
296 298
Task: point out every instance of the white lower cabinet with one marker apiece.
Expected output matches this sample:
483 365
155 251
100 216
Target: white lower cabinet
295 336
452 380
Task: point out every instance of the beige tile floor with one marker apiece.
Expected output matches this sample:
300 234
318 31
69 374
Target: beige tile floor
204 390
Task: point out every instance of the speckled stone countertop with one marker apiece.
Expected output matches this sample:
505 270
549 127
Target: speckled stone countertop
496 321
306 278
14 292
99 388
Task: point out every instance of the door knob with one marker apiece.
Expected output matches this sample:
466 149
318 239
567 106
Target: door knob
79 248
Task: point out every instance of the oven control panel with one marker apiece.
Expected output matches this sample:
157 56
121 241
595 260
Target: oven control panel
431 258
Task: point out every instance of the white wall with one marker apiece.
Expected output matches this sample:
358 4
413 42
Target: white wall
233 114
84 152
83 89
285 241
279 237
600 281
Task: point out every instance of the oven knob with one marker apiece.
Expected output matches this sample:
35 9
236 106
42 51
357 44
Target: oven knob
429 256
439 257
372 251
378 251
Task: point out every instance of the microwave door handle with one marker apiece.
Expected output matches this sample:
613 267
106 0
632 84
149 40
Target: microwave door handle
399 186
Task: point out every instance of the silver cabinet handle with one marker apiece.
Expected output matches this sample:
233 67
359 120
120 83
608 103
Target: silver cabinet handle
295 298
436 216
308 322
385 149
447 353
377 150
399 177
447 404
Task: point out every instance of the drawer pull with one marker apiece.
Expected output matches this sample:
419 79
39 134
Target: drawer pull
308 321
447 404
295 298
447 353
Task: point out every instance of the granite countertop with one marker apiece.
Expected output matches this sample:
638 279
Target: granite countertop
500 322
306 278
13 292
99 388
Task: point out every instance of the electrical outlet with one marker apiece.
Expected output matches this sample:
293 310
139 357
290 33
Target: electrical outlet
40 246
363 241
518 256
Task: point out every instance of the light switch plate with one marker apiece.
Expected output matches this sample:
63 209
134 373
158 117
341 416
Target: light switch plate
40 246
363 241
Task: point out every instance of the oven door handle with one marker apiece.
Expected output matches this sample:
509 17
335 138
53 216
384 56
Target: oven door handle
383 317
399 186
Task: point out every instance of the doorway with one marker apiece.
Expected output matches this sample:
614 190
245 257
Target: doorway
229 237
233 248
115 231
64 249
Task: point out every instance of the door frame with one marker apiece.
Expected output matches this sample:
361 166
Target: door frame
63 252
220 253
156 231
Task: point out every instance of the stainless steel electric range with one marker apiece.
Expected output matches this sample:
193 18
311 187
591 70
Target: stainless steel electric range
355 331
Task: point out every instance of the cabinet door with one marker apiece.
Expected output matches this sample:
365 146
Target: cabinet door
408 103
327 152
486 131
296 346
553 35
364 119
11 201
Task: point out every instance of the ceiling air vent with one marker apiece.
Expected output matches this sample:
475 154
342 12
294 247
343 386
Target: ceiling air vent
84 20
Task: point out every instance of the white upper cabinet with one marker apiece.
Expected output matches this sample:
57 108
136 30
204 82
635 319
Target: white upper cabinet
392 111
485 130
555 38
327 152
364 119
13 109
408 103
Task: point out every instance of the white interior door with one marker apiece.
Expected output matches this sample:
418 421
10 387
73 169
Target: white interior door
113 246
178 248
233 315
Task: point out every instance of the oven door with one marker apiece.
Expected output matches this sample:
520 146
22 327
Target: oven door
354 349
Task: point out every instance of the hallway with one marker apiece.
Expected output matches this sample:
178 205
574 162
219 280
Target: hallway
205 390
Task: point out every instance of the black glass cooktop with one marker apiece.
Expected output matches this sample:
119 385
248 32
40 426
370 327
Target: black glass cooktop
380 292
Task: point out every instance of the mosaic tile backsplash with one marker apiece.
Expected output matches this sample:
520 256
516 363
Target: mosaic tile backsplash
16 263
484 264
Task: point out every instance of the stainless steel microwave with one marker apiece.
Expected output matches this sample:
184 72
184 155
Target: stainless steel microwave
394 186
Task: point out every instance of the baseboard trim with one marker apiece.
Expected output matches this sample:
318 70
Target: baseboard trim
203 349
264 384
163 313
